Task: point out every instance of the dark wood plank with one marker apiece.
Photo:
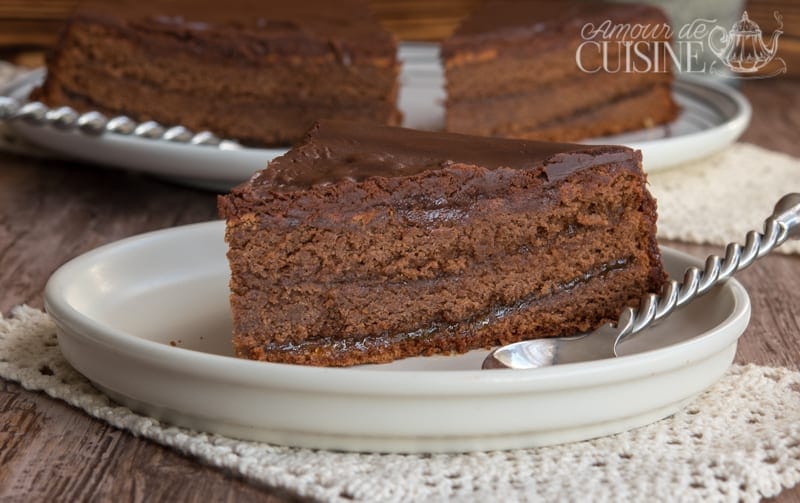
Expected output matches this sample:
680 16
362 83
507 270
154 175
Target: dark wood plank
51 452
26 23
51 211
776 114
771 338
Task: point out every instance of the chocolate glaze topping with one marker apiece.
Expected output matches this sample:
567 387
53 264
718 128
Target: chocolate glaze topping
500 21
248 28
334 151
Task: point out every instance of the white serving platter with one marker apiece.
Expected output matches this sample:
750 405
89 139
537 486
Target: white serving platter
713 116
147 320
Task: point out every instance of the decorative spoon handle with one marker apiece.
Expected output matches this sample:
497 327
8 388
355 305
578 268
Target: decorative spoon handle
95 123
782 225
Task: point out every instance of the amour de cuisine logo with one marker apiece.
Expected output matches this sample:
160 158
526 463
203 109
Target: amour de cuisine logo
739 52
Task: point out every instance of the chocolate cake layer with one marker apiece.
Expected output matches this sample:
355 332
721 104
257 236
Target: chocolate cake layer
252 121
513 66
124 61
510 116
366 244
248 29
509 113
294 63
499 25
541 74
612 118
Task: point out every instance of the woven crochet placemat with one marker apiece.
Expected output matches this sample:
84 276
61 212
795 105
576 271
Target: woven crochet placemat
739 441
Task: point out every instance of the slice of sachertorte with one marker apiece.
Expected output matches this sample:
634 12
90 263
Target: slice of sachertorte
558 70
369 243
257 71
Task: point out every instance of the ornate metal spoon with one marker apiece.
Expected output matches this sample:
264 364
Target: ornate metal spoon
602 343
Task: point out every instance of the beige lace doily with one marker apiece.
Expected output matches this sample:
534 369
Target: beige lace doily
718 199
739 441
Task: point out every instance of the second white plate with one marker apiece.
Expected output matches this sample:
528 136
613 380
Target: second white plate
147 319
713 116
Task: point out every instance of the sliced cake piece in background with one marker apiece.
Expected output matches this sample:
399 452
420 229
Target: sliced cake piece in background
369 243
518 69
258 71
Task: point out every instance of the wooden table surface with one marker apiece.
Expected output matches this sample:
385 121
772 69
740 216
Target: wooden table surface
52 211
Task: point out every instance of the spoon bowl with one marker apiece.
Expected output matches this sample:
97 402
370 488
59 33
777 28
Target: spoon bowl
556 350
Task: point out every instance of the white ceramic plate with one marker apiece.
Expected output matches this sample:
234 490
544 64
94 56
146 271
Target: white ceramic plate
119 308
713 116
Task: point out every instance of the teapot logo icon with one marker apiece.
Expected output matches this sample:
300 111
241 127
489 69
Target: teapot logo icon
743 50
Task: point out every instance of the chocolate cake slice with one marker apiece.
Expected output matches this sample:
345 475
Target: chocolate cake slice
258 71
368 243
558 71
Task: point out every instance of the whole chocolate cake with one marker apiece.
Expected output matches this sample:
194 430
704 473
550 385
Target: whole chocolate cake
257 71
370 243
558 70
